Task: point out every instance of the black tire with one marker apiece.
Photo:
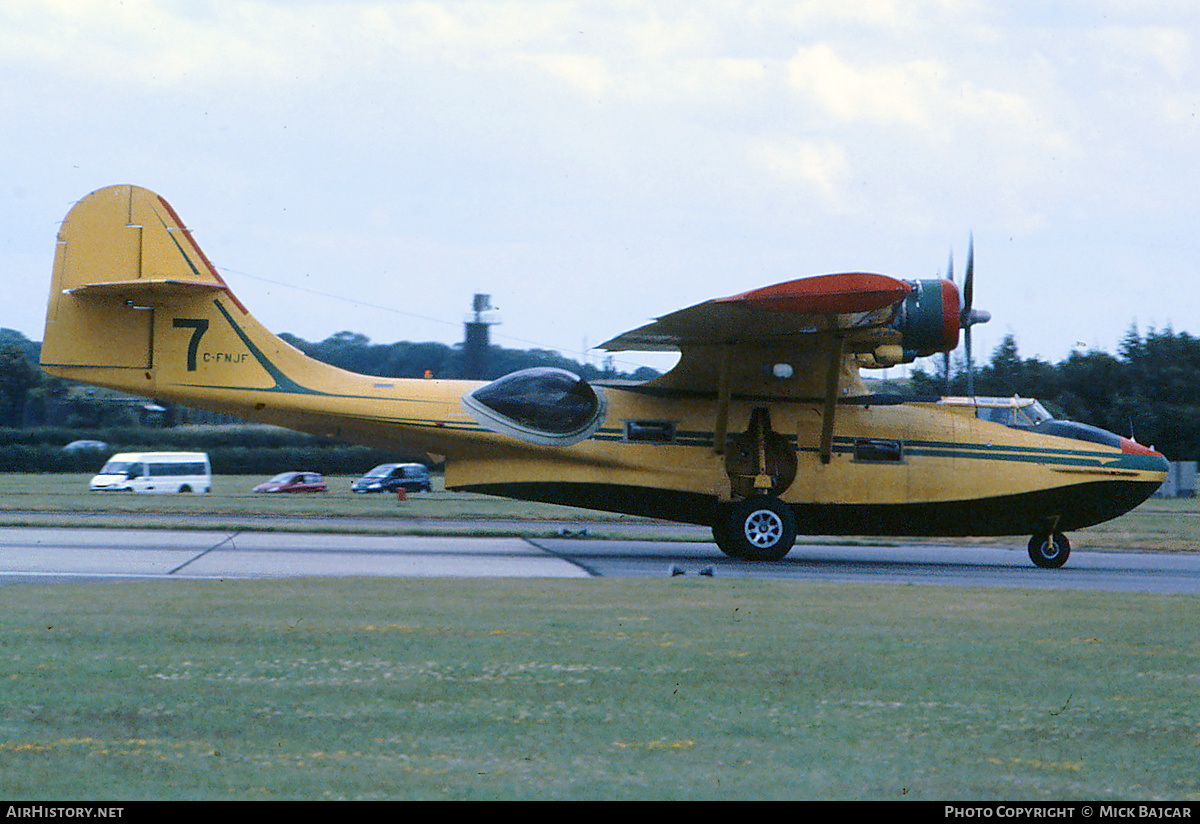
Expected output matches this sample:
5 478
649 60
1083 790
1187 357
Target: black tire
760 528
720 533
184 489
1049 551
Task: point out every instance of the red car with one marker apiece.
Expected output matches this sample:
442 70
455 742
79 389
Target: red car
293 482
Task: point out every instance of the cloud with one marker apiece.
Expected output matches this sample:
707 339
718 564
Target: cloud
671 150
821 165
905 94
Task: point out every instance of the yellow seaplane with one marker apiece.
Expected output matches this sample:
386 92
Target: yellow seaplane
763 428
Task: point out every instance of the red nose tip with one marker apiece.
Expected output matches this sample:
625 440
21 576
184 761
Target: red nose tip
1132 447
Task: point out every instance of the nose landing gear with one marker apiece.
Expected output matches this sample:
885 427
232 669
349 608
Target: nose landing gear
1049 551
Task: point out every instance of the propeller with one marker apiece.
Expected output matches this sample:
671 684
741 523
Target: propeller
946 354
968 316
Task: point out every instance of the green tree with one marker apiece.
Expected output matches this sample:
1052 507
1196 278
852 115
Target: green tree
1164 390
17 377
1150 391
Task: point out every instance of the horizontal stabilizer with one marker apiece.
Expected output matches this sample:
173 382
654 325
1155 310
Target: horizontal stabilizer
143 288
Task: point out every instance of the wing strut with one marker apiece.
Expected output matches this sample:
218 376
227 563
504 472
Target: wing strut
832 382
721 427
761 424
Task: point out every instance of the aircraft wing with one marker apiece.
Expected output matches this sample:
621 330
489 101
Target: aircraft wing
804 339
781 315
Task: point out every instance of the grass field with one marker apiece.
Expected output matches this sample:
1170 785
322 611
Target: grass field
53 495
671 688
598 688
60 500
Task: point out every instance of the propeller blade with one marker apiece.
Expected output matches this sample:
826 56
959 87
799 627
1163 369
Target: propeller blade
971 316
969 280
968 316
970 365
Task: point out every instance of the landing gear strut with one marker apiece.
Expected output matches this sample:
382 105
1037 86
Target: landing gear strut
758 528
1049 551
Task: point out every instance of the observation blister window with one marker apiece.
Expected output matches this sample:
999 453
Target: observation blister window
547 406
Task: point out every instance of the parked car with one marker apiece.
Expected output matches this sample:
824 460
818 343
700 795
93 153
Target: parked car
293 482
86 446
155 472
411 477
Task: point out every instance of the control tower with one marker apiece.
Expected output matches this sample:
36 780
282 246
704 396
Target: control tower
477 344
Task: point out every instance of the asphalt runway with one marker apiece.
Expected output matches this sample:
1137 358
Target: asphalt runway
30 554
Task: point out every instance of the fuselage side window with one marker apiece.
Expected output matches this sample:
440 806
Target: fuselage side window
650 431
878 450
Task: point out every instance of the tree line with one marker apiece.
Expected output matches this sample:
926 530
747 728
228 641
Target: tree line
30 397
355 352
1150 389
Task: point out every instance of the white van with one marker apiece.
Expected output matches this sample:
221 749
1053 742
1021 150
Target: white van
155 472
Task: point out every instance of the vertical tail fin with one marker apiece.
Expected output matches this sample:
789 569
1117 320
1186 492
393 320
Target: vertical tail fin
120 250
135 305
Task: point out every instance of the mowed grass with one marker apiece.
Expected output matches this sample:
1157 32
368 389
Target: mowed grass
1160 524
23 494
64 500
673 688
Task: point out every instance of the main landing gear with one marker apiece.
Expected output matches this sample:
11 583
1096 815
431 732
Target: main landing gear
758 528
1049 551
761 464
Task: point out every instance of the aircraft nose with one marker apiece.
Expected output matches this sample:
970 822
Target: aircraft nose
1132 447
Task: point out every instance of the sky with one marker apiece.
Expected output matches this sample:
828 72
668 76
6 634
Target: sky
369 166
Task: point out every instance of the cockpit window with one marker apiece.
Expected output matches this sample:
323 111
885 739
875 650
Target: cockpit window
996 414
1037 413
1015 412
551 407
1032 416
1029 415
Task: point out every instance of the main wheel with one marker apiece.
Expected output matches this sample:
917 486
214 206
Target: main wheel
1049 551
720 533
759 528
726 535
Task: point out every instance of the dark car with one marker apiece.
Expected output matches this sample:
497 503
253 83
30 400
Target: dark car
411 477
293 482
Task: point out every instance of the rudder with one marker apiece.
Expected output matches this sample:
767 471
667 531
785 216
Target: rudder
120 251
136 306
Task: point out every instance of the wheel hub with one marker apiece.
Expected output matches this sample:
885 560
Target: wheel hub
1050 549
764 528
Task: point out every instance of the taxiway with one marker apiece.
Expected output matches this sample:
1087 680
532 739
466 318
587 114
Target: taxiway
34 553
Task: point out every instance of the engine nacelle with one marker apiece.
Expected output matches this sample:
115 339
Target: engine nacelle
929 319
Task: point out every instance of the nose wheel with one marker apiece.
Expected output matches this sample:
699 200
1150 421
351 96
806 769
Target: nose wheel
1049 551
758 528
